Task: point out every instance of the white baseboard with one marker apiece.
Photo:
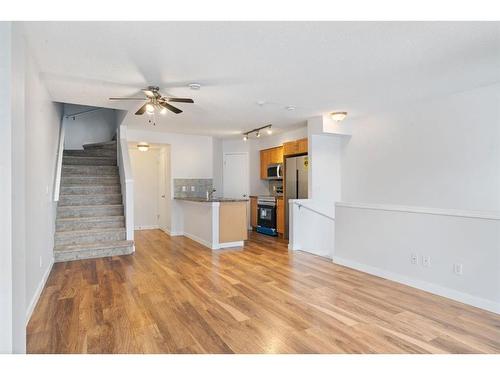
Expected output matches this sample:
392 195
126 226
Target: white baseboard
198 239
38 292
423 285
226 245
146 227
170 233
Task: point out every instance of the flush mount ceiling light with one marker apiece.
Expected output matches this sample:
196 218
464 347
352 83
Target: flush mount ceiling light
290 108
257 131
143 146
194 86
338 116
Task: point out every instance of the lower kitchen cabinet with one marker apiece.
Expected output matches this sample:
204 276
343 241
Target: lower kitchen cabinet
253 212
280 215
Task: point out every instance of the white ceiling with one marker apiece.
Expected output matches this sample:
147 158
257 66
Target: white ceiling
361 67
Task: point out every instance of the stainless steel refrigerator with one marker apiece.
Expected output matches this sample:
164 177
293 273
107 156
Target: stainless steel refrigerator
295 182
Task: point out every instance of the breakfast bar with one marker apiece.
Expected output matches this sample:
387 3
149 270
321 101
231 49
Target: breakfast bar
216 223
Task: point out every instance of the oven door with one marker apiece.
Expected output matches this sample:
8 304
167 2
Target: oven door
266 216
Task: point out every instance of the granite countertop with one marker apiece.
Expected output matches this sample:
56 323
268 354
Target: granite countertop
211 200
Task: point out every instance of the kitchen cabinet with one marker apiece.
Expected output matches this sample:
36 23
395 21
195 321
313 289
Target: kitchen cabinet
295 147
269 156
253 212
280 215
302 146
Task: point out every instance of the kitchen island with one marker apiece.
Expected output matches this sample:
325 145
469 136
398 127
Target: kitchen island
216 223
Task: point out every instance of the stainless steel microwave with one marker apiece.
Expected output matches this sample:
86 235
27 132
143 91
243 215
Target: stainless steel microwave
274 171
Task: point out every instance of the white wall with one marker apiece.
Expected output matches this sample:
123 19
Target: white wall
43 121
191 156
441 153
93 127
381 240
33 130
218 166
146 187
19 85
5 189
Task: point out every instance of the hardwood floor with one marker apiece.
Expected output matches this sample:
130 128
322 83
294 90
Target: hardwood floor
176 296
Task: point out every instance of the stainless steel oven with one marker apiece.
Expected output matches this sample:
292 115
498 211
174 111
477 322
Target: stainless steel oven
266 215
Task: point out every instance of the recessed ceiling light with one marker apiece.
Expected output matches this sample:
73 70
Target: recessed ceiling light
194 86
338 116
290 108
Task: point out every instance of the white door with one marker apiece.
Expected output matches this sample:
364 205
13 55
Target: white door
235 175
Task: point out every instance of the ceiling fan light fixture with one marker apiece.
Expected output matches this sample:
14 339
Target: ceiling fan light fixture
150 108
143 146
338 116
245 137
269 131
163 111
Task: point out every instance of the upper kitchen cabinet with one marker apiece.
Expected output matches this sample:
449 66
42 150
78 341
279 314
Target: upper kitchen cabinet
295 147
269 156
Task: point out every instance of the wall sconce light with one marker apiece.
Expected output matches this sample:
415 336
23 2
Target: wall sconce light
338 116
143 146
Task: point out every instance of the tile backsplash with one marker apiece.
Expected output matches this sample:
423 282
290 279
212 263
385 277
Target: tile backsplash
192 187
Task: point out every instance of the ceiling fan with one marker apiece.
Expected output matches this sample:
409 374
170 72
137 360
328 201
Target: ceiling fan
156 101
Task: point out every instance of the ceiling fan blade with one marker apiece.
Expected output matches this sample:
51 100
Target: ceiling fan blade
126 98
170 107
141 110
148 93
181 100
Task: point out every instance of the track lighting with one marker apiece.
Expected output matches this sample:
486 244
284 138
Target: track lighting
257 131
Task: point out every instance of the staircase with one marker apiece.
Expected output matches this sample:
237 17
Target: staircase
90 221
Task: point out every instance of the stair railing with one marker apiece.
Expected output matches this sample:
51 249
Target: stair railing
60 154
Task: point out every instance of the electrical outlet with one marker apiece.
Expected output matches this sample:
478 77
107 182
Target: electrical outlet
426 261
414 258
458 269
